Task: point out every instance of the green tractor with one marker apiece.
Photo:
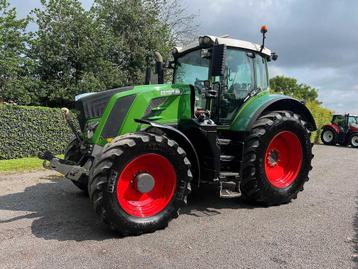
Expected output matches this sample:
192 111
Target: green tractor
142 149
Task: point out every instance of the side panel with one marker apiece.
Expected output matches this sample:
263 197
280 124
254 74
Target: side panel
354 129
165 104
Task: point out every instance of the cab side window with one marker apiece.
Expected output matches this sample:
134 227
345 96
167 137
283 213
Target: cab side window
239 78
339 120
352 121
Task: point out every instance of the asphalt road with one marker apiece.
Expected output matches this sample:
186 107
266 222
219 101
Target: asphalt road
46 223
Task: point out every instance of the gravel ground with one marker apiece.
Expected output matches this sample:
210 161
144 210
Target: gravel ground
46 223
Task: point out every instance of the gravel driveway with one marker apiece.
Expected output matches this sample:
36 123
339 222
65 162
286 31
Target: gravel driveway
45 222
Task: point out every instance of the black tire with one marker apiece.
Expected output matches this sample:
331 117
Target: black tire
353 140
255 184
105 174
331 134
73 154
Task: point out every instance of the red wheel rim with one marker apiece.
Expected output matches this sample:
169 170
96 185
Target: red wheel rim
283 159
147 204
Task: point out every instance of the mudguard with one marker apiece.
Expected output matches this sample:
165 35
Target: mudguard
183 141
263 102
333 127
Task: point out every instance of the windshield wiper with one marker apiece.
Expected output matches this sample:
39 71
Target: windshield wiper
252 93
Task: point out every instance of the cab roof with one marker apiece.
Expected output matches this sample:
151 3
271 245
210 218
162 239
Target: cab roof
342 115
229 42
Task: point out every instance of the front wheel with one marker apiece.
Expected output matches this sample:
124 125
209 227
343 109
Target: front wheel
353 140
140 182
329 137
277 158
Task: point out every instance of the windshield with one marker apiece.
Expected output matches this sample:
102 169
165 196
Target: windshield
353 120
192 69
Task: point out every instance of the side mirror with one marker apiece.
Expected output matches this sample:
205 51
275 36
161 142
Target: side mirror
274 56
218 59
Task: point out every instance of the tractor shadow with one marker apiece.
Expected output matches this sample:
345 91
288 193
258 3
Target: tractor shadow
59 211
206 202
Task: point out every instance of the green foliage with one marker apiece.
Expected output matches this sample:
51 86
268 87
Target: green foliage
321 115
289 86
14 63
27 130
137 25
21 165
75 51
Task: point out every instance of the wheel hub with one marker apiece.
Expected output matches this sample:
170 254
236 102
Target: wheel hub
328 136
355 141
144 182
273 158
146 185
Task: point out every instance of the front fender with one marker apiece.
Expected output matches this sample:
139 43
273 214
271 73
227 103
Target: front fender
182 140
333 127
263 102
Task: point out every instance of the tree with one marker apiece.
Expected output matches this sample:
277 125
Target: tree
14 63
289 86
182 24
73 52
137 26
80 51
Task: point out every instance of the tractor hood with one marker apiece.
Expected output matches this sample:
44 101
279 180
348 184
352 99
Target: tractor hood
110 111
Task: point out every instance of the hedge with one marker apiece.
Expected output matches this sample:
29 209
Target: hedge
24 131
322 116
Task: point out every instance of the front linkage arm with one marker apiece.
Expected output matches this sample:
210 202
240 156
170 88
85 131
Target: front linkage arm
66 168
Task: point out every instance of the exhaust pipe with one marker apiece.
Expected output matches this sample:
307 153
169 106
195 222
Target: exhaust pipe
68 119
159 64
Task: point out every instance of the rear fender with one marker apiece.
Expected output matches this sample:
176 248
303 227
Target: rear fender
265 102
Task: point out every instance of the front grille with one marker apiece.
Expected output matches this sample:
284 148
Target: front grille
92 106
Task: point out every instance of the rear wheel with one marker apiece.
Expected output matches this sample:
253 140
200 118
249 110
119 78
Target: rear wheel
278 158
329 137
353 140
73 154
140 182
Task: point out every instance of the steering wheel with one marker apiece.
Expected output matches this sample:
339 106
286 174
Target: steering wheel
239 90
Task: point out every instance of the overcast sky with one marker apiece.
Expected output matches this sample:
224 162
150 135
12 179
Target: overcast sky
316 40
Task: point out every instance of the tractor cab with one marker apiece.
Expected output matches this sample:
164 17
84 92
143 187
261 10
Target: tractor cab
345 122
224 72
